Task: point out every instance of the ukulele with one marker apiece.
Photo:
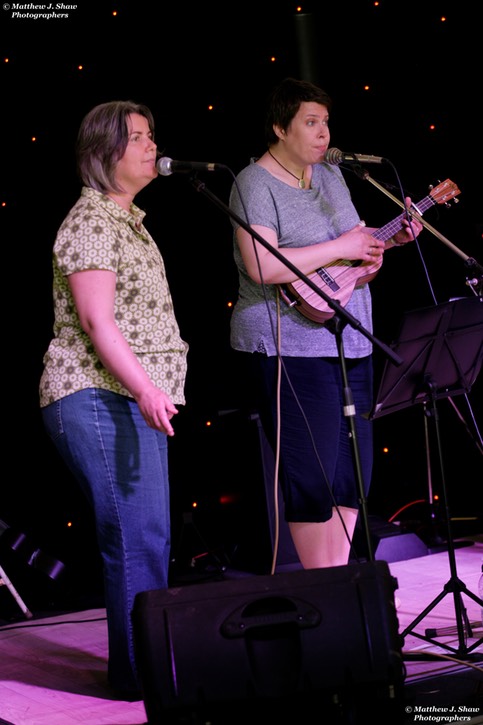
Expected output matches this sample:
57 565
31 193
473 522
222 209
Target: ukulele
340 278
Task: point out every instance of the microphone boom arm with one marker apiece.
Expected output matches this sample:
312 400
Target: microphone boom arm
367 177
475 270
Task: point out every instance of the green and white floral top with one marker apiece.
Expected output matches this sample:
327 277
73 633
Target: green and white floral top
98 234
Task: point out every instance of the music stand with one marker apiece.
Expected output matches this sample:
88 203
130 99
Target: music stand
442 351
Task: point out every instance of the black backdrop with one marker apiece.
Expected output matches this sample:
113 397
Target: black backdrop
179 58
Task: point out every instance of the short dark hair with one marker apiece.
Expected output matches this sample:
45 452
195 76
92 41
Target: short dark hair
102 140
284 102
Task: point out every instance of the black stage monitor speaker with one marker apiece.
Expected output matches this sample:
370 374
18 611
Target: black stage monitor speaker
287 645
388 542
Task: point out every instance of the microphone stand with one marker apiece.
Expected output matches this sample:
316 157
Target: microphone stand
339 320
474 278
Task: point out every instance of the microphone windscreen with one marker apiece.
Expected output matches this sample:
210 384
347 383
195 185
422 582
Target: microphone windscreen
334 156
163 166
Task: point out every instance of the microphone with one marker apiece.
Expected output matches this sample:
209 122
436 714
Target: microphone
335 156
166 166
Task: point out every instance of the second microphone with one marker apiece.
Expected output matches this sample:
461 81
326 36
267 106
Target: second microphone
166 166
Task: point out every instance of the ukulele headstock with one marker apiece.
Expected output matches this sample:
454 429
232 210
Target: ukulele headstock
444 193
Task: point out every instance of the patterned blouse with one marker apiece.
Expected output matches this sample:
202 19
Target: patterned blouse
98 234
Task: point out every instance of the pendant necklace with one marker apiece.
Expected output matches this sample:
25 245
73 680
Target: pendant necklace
300 180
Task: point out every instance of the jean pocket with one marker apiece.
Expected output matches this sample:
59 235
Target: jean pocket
52 419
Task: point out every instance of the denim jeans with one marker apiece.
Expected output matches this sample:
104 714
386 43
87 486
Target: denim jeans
122 466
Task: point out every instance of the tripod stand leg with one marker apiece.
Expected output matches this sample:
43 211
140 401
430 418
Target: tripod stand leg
463 626
467 626
422 615
4 578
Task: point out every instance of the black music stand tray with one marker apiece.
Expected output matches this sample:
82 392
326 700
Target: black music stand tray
442 352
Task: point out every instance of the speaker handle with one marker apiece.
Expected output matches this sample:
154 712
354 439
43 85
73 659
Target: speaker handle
269 612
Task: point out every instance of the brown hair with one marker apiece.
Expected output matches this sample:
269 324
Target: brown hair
102 140
284 103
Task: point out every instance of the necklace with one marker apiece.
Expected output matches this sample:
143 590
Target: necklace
301 180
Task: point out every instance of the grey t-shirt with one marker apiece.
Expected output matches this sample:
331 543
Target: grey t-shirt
299 217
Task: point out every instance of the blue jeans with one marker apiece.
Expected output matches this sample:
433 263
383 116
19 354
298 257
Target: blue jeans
122 466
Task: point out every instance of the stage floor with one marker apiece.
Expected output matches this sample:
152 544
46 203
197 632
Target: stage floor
53 669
